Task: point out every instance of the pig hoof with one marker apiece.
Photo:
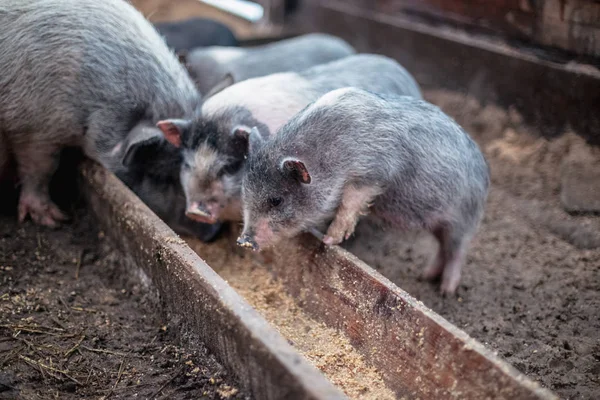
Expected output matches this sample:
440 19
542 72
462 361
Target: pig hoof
338 231
42 212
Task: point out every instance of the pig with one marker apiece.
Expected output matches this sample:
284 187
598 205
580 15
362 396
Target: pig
183 36
215 68
214 145
395 159
150 167
80 73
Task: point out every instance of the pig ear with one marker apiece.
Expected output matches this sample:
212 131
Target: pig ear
241 132
255 140
172 129
224 83
140 137
296 169
240 136
246 139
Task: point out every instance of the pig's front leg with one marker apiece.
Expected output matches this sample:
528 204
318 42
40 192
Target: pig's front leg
355 202
37 162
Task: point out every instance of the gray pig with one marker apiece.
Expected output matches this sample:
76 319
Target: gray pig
80 73
398 159
214 68
215 144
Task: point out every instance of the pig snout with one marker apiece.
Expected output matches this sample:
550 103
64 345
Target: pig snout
248 242
199 212
258 237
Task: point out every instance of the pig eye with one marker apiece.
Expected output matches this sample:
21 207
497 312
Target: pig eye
231 168
275 201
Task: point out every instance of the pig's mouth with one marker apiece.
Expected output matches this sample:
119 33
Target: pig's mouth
206 219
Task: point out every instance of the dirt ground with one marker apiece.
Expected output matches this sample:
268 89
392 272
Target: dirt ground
74 325
531 286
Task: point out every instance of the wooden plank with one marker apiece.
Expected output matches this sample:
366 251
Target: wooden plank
419 353
551 96
507 17
210 309
571 25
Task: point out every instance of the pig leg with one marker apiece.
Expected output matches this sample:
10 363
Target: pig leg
355 202
36 163
449 259
436 266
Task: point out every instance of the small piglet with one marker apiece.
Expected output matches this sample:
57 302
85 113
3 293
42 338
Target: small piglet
80 73
397 159
183 36
214 68
214 146
150 167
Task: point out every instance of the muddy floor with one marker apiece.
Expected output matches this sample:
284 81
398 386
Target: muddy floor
531 285
74 325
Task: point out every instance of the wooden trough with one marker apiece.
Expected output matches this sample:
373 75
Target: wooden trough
417 352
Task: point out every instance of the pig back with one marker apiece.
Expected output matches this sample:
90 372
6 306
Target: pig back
374 73
209 66
64 60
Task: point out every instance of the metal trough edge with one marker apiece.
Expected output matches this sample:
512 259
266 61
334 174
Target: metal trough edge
253 351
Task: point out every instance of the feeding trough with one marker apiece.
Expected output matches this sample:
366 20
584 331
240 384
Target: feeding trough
416 353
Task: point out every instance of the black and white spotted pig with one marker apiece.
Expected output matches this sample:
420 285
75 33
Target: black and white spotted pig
150 166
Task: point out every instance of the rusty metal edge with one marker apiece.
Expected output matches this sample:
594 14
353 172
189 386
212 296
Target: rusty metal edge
244 342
